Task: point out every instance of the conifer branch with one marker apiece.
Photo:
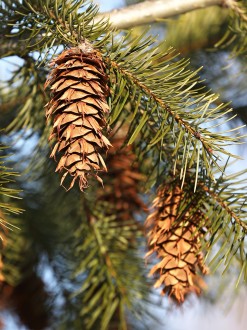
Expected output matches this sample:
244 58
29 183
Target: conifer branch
235 36
174 128
104 253
108 280
225 206
152 11
237 8
142 13
7 177
163 105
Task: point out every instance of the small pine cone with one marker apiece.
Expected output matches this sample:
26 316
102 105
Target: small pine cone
78 106
176 240
122 180
28 300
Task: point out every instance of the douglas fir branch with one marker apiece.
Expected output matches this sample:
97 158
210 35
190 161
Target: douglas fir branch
141 144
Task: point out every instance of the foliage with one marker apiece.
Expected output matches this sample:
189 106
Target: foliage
7 193
177 129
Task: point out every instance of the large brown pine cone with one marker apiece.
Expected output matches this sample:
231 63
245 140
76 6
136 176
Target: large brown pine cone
78 82
176 240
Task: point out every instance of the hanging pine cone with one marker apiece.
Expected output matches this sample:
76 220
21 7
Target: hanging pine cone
28 298
176 240
122 181
78 106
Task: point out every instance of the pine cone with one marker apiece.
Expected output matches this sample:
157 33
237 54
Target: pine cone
122 180
78 106
28 300
176 240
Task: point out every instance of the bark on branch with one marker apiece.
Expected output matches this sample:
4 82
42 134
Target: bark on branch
152 11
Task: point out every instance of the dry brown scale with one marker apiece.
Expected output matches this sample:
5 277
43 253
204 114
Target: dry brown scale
176 240
78 82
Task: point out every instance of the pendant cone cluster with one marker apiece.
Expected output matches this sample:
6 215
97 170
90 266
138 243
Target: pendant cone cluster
78 106
176 240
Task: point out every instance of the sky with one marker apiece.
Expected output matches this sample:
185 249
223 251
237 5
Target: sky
193 316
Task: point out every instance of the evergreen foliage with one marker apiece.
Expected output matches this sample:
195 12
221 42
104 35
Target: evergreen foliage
6 193
169 137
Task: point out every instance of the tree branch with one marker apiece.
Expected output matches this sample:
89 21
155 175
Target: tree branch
145 12
151 11
225 206
187 127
